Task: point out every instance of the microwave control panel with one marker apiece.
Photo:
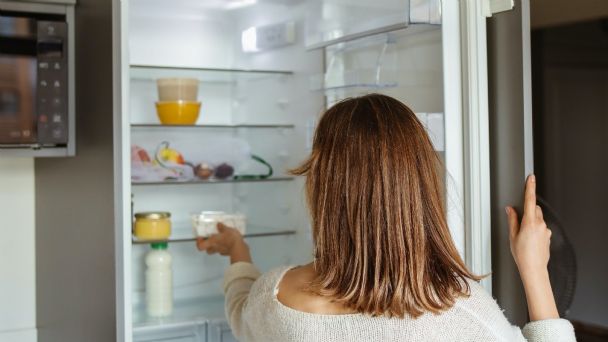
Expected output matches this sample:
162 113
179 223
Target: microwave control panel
52 83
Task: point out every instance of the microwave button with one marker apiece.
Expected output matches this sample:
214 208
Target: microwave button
57 84
42 118
56 101
43 65
27 133
57 133
57 66
57 118
43 83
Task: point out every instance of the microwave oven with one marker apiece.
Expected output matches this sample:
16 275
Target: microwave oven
36 79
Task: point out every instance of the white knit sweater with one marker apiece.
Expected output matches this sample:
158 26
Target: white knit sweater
255 314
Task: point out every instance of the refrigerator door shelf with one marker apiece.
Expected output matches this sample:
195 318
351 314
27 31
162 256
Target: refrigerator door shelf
377 62
330 22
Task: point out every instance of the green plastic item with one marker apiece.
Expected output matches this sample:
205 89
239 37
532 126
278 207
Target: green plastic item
263 176
159 245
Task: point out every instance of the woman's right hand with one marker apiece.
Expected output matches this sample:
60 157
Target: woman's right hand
228 241
530 242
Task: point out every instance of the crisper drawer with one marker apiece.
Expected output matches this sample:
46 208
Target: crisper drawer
219 331
172 333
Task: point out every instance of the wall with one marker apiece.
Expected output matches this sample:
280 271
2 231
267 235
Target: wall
571 91
547 13
75 278
17 279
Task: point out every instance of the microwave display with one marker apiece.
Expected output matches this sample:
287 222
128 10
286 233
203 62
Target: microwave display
50 49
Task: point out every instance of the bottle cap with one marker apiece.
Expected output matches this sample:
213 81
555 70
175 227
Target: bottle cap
159 245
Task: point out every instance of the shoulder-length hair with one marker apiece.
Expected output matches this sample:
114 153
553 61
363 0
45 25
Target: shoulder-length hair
381 239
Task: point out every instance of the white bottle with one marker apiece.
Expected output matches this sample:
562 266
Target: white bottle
159 281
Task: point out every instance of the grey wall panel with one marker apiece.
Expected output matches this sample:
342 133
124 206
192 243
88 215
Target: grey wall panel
75 281
510 144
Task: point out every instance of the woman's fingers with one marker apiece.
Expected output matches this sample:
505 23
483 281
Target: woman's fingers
201 244
539 213
227 241
513 222
221 227
205 244
530 198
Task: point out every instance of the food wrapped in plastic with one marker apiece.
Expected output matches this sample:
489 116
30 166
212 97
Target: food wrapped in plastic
213 151
205 223
144 169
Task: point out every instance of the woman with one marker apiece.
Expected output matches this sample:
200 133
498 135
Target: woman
385 267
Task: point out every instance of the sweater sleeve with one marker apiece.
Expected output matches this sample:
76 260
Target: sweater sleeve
238 279
482 306
554 330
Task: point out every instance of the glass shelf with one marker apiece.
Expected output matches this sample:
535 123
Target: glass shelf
202 126
370 86
135 241
212 75
214 181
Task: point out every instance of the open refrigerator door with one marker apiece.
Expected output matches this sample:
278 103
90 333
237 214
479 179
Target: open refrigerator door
265 70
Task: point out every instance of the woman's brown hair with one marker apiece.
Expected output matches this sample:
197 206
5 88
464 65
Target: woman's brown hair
381 239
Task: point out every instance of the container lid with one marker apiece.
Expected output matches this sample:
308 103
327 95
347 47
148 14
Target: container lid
153 215
159 245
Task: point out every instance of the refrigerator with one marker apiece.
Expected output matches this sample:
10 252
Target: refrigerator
266 70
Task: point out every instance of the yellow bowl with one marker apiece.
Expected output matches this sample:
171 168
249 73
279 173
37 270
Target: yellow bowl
178 112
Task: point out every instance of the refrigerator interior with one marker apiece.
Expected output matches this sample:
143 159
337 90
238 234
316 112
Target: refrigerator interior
264 103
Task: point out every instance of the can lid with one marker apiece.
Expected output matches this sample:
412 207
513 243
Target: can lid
159 245
153 215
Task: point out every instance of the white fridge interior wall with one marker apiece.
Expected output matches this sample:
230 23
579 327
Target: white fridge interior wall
408 65
189 34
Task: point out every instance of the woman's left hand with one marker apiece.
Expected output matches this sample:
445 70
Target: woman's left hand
228 241
530 248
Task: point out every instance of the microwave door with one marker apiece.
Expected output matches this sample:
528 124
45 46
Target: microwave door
17 81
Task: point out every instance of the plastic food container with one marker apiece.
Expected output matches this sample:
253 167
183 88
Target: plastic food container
205 223
178 112
177 89
153 225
